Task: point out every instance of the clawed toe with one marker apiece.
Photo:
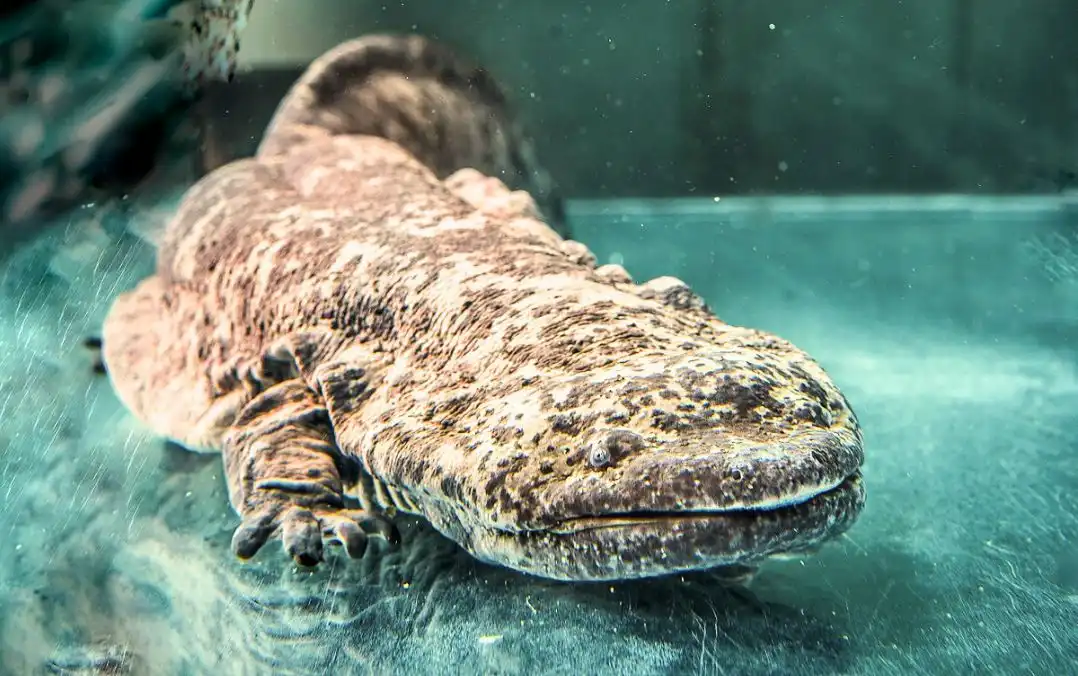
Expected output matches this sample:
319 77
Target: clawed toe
345 532
379 525
302 537
353 528
252 534
304 533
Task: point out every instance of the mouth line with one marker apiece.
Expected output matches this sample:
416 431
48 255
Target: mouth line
629 544
636 518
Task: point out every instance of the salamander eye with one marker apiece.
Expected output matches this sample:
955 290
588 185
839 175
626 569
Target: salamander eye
599 456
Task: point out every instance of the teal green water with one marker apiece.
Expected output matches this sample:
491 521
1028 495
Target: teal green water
951 324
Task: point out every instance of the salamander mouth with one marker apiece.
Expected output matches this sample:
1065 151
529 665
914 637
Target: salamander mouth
639 544
671 517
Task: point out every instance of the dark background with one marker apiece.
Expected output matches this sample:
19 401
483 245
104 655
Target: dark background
702 97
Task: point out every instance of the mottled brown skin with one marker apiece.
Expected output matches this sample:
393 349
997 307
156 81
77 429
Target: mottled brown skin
337 321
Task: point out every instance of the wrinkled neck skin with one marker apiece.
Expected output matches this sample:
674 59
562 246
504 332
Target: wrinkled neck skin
546 414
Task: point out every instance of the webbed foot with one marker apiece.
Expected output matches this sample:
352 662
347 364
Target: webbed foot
286 478
305 530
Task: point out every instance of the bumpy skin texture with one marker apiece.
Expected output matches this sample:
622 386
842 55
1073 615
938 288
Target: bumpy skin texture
338 321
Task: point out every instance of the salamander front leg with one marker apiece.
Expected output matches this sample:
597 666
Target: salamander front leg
287 477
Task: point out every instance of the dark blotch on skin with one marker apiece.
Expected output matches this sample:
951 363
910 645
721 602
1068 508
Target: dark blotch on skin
746 399
666 421
813 413
813 389
620 444
451 487
566 423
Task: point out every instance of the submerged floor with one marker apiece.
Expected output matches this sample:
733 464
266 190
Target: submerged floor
952 326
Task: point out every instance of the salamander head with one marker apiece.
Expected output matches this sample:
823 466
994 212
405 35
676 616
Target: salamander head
691 462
